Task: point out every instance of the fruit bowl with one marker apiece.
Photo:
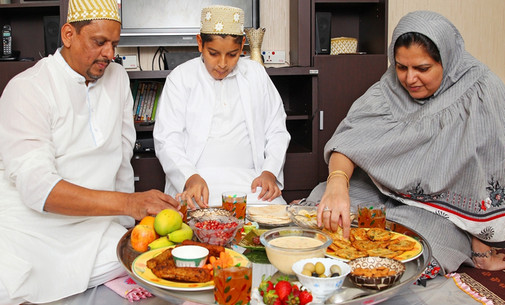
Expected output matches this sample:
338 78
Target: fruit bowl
335 272
395 267
214 226
287 245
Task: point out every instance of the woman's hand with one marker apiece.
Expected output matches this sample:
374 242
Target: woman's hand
196 190
334 209
269 188
485 257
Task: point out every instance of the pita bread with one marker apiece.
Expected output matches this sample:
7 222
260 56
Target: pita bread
269 214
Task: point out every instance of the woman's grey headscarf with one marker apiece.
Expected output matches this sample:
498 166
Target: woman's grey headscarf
446 153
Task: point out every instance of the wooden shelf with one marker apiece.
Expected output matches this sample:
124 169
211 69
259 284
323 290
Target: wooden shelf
33 4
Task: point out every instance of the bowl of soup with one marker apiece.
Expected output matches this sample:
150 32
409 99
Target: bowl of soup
286 245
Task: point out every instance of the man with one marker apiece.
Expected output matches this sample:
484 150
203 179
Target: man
67 135
221 124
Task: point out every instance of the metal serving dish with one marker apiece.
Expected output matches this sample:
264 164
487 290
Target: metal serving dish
414 268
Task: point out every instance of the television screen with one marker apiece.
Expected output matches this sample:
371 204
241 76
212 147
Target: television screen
171 22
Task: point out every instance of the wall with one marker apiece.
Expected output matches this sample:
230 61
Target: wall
480 22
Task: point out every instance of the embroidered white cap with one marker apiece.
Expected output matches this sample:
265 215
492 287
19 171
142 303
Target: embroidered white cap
80 10
220 19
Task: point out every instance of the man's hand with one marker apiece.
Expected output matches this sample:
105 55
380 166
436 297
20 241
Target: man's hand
196 190
269 188
150 202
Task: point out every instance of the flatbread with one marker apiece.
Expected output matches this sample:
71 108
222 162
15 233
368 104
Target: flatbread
269 214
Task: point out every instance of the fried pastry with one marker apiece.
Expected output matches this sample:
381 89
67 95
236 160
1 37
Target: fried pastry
350 253
358 234
401 245
365 245
378 234
383 252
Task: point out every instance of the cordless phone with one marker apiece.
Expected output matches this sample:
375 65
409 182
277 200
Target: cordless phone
6 41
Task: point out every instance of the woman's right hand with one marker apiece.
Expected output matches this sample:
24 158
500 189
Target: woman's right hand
334 209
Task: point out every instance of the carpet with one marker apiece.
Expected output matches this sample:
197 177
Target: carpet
488 284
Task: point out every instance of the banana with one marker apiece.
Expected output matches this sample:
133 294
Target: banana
184 233
160 243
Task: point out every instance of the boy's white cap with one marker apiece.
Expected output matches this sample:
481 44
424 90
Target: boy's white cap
219 19
80 10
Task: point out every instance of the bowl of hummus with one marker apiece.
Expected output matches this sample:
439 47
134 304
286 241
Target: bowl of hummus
286 245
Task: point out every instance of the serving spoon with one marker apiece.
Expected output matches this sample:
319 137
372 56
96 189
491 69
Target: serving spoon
345 294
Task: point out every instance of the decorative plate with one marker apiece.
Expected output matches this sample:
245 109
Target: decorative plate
406 256
140 269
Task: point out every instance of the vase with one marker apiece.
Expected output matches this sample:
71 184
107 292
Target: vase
255 38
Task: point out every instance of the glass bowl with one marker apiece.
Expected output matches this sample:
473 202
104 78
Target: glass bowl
287 245
214 226
303 216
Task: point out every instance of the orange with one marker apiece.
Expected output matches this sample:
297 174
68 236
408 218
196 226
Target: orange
147 220
141 237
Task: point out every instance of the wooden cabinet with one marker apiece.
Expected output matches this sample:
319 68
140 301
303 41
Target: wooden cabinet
298 89
28 21
345 77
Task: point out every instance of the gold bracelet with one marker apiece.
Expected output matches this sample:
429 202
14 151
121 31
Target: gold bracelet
338 173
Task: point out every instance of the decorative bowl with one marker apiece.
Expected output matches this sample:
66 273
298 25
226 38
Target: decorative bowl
395 267
322 287
303 216
190 256
286 245
214 226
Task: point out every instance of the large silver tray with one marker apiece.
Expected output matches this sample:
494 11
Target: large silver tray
414 268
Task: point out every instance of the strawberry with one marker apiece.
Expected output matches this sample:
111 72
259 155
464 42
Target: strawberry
305 297
265 285
269 298
295 290
283 289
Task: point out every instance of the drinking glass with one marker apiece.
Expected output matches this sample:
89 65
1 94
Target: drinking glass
371 215
236 203
232 285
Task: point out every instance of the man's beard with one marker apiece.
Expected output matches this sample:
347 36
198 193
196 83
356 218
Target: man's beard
95 77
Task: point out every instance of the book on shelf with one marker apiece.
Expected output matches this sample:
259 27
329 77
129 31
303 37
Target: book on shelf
145 99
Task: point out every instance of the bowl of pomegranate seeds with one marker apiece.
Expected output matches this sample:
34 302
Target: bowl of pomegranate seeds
214 226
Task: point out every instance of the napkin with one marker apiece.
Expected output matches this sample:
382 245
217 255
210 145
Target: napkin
128 289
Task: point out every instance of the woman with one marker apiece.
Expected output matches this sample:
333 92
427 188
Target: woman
428 139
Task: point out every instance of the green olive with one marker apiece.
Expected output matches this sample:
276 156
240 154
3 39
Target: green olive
320 268
306 272
310 267
335 269
322 275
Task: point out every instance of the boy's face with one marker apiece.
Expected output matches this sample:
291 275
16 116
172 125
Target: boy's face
220 55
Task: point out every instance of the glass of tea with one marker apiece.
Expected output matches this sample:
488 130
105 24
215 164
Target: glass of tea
233 285
371 215
184 210
236 203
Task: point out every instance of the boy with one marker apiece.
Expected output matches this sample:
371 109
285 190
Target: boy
221 124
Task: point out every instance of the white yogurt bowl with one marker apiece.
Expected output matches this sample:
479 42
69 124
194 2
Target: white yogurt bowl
190 256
